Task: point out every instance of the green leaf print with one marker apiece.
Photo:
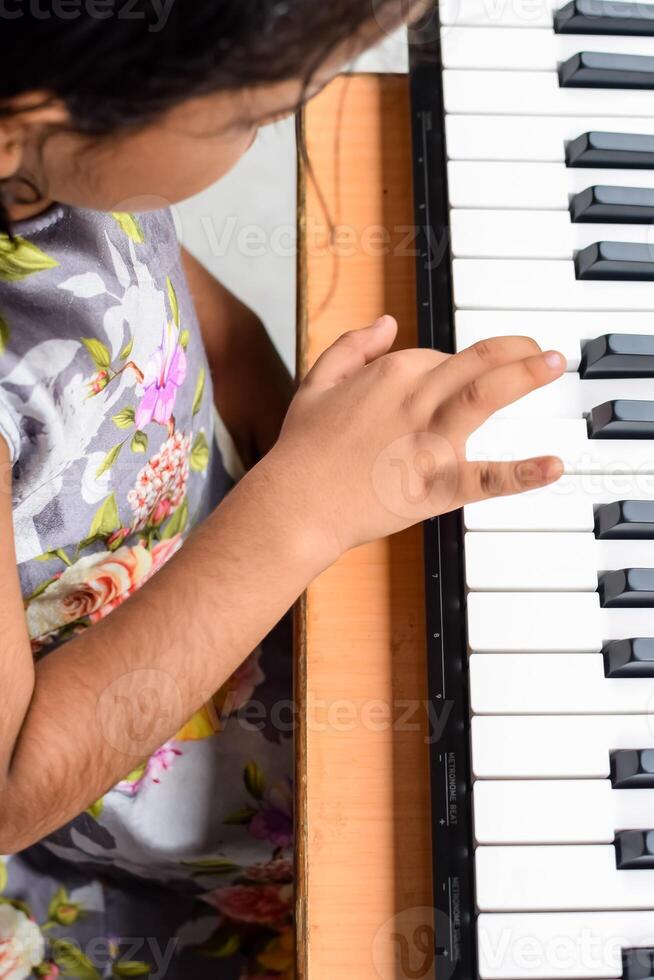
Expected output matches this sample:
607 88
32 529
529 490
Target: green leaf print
109 460
106 519
20 258
131 968
199 453
199 391
184 338
3 875
139 443
223 943
59 898
72 962
40 589
212 867
129 225
254 779
177 523
4 334
240 817
95 810
124 419
127 350
174 302
99 352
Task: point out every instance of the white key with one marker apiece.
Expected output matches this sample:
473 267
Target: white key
530 186
533 234
505 439
554 683
541 284
563 331
538 93
532 138
537 562
571 398
558 878
514 49
500 13
543 622
559 945
567 505
551 747
566 811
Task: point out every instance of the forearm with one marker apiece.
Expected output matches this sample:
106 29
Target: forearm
109 698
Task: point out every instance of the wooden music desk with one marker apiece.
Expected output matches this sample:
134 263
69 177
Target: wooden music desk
364 854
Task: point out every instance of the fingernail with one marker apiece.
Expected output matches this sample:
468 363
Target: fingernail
554 360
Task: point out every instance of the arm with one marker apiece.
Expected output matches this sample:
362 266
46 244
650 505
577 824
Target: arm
361 424
252 386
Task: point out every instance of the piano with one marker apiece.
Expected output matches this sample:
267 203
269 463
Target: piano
533 130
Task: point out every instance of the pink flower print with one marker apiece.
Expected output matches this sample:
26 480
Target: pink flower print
164 374
255 904
279 871
274 822
98 383
161 485
158 764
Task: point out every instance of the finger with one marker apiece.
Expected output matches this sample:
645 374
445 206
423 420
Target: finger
481 397
481 481
351 352
483 356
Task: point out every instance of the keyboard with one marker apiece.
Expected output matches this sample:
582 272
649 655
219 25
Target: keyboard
533 142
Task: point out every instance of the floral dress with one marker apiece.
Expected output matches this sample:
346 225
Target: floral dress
184 869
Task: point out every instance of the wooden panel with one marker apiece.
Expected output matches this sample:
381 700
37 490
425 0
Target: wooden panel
364 851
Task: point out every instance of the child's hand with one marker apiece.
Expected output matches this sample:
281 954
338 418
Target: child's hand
375 442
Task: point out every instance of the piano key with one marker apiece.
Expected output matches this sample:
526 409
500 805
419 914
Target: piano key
632 769
549 622
504 13
554 747
634 850
605 70
629 588
536 562
553 684
560 945
544 811
614 205
564 331
568 505
536 93
514 49
615 262
558 877
530 186
625 520
630 658
604 17
570 397
496 234
530 138
545 284
622 419
618 356
596 149
638 964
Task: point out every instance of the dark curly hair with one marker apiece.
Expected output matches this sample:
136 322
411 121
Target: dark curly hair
118 64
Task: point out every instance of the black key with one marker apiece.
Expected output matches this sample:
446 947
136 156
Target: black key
630 658
596 69
629 151
618 355
616 261
634 850
638 964
622 419
632 769
602 17
625 520
614 205
628 588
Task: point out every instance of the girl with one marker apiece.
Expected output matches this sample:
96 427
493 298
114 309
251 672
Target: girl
145 750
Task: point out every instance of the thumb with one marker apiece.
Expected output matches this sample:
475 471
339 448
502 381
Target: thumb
351 352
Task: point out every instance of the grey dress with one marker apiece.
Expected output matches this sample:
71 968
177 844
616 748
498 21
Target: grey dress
184 869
